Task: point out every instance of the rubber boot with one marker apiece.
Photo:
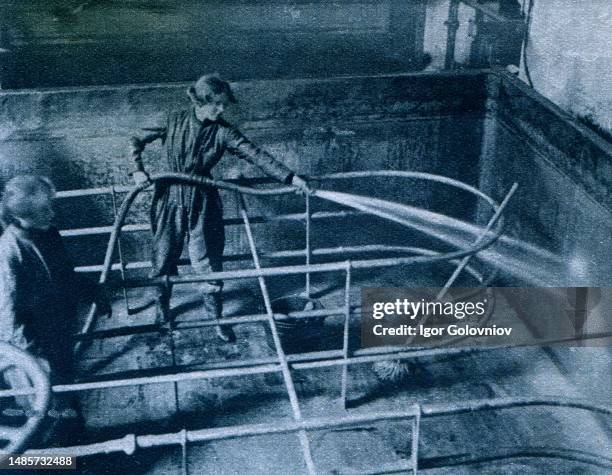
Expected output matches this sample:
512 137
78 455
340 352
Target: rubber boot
213 307
163 315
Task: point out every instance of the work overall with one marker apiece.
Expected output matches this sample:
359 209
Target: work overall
182 211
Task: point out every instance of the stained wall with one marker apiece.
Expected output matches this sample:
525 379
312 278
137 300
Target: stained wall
79 137
564 172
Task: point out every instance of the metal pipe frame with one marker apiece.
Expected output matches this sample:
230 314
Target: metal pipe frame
241 319
259 273
464 262
133 228
284 368
178 178
303 361
280 353
283 363
129 443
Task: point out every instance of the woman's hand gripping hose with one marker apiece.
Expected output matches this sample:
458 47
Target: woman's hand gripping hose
140 177
302 186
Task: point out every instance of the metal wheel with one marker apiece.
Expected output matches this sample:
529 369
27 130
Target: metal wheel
21 371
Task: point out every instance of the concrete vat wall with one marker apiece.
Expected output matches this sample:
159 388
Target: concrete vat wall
79 137
564 203
428 122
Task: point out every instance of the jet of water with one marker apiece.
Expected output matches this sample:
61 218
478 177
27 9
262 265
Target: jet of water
528 262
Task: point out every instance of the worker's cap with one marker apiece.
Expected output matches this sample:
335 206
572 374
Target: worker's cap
208 86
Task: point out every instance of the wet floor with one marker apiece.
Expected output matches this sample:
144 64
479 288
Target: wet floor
263 398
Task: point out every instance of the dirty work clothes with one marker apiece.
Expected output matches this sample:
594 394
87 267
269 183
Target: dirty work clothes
38 296
194 148
201 223
38 309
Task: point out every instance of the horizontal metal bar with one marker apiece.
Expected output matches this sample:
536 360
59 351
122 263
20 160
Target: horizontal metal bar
157 379
293 270
126 444
268 368
115 267
226 371
204 435
185 262
371 355
233 364
126 189
286 254
385 356
130 442
235 274
328 359
194 324
102 230
102 190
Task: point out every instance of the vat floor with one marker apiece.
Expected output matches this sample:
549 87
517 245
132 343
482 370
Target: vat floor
262 398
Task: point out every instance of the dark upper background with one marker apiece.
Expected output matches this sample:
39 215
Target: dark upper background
76 42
